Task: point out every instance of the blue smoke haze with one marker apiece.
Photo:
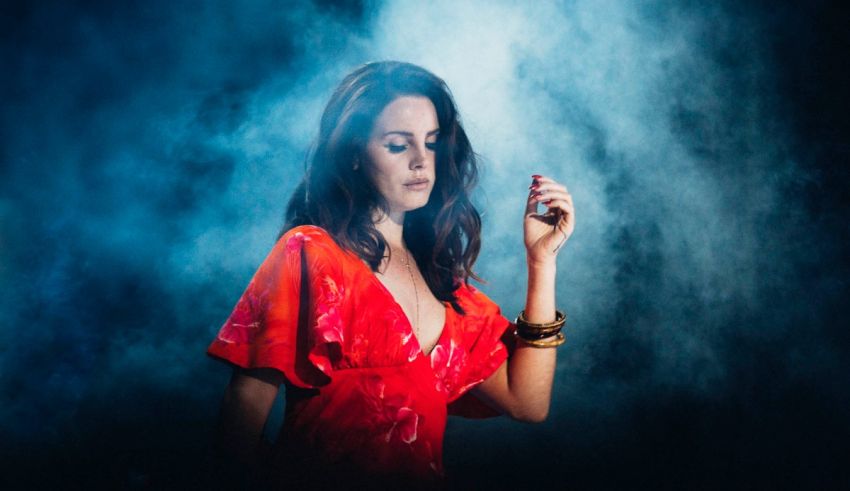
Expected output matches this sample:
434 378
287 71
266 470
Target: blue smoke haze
148 150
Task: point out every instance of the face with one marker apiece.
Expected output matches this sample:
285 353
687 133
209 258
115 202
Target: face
401 151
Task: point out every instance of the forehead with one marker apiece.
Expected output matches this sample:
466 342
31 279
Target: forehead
408 113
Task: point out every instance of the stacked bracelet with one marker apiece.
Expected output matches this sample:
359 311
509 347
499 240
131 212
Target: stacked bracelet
536 335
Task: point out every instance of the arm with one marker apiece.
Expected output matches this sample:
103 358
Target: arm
522 386
245 407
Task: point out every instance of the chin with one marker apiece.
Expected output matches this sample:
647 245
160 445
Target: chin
416 206
411 205
412 201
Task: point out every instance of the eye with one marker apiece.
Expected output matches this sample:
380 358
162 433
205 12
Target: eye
395 148
431 146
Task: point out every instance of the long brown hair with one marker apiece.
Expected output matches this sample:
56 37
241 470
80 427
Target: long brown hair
444 236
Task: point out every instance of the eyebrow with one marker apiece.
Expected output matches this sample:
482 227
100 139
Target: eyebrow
407 133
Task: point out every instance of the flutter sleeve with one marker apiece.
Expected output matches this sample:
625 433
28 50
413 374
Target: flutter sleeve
288 318
487 341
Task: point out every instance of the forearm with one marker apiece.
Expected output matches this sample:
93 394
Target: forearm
522 386
531 370
540 297
240 430
244 412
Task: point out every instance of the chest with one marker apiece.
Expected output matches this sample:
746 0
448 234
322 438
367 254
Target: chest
425 313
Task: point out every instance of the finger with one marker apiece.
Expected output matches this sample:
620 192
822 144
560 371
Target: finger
531 204
566 220
572 206
564 225
540 179
550 195
559 204
548 186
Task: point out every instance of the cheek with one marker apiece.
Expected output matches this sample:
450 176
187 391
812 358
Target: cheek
386 167
382 176
378 172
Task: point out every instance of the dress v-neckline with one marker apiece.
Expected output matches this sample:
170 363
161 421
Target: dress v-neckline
389 295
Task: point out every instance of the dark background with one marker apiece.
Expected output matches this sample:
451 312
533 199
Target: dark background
147 150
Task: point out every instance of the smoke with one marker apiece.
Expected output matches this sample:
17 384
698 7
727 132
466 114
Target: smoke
149 150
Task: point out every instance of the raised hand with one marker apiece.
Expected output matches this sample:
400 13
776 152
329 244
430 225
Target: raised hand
546 233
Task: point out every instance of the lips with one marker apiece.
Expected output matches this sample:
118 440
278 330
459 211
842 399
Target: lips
417 185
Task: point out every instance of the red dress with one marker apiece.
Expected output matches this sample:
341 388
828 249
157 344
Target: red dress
362 398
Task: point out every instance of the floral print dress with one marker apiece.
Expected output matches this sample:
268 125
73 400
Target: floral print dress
362 398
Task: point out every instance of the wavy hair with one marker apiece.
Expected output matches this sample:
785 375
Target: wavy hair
444 236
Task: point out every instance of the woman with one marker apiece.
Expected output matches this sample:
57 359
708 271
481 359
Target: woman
363 308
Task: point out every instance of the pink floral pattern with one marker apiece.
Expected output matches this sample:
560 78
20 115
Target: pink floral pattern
448 363
392 416
328 321
380 402
295 242
400 329
243 325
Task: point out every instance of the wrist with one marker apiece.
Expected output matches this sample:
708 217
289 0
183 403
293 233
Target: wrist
541 264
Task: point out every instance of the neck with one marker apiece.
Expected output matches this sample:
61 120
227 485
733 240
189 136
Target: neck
392 228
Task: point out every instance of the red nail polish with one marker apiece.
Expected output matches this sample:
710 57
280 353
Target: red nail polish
534 186
536 176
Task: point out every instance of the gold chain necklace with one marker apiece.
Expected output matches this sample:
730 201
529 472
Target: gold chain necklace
415 292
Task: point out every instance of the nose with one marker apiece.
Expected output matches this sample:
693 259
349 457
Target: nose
419 157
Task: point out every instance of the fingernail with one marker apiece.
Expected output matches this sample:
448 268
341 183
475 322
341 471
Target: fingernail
534 186
536 176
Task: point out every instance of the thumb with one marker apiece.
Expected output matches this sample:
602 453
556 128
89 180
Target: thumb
530 205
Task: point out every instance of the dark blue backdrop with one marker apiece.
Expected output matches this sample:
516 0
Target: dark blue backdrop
148 149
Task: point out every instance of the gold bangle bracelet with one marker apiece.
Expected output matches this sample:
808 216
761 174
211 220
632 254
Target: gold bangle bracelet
560 319
533 334
549 331
559 340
